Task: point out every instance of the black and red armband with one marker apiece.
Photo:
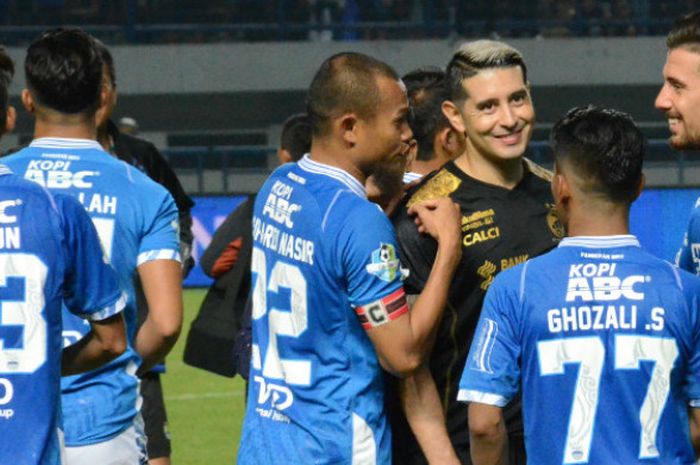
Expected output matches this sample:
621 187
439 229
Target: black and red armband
382 311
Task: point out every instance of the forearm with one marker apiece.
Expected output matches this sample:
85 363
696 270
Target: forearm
429 305
98 347
420 402
153 343
694 418
488 440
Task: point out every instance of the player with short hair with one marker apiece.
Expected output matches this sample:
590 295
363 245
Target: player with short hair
137 223
679 99
295 140
328 304
437 141
507 217
49 255
601 336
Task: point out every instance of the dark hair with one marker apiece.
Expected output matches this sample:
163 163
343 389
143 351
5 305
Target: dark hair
685 32
296 135
64 71
345 82
107 60
604 147
7 72
426 91
474 57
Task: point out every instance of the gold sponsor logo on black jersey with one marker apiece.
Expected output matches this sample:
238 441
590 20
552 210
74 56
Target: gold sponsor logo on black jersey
441 185
486 271
510 262
553 222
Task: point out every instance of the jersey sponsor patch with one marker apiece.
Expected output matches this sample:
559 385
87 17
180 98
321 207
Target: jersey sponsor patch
385 265
382 311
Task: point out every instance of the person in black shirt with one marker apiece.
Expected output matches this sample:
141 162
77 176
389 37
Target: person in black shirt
507 217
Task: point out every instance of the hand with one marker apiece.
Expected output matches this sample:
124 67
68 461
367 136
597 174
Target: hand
441 218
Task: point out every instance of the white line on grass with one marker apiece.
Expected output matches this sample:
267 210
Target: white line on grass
205 395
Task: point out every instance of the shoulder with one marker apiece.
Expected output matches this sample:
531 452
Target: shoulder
541 173
438 184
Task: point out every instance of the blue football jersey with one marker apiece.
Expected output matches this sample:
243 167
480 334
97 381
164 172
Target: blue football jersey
49 251
604 340
325 271
688 256
137 221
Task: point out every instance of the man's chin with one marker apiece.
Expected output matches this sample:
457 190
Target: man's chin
681 143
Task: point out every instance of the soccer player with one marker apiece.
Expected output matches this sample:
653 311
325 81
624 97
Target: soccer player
679 99
507 217
144 155
328 305
137 222
49 255
601 336
437 141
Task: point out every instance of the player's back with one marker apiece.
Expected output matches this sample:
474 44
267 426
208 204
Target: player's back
316 394
34 264
137 221
610 361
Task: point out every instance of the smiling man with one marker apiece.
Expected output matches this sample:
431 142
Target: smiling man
507 217
679 99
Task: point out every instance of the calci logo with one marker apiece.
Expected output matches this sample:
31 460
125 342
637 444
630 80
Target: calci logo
598 282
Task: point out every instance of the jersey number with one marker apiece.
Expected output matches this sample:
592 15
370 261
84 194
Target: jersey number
291 322
22 324
589 352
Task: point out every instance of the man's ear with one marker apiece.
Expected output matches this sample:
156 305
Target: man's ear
347 127
10 119
27 101
453 115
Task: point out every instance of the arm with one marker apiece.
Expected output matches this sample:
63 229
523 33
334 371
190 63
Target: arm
161 285
105 342
421 404
402 344
487 435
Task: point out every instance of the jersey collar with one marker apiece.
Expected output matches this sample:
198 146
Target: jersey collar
600 242
65 143
307 164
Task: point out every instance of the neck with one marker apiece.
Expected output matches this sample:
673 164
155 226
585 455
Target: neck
502 173
611 221
69 128
426 166
326 152
103 138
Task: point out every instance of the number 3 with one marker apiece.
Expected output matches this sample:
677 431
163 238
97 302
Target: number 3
280 322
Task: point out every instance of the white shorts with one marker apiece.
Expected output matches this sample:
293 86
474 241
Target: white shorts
129 448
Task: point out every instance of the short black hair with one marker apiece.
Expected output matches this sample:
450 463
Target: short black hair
427 90
296 135
64 71
685 33
473 57
107 60
345 82
604 147
7 72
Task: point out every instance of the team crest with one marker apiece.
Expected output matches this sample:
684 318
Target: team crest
385 265
553 222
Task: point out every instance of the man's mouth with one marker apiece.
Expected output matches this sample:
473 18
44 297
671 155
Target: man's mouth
511 138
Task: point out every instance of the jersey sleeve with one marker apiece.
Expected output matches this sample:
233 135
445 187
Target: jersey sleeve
91 289
160 241
417 250
691 290
688 257
492 373
371 266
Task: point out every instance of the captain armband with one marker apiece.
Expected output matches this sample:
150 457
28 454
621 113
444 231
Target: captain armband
382 311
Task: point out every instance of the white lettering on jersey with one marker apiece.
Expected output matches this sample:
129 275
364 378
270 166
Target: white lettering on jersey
597 282
278 207
6 205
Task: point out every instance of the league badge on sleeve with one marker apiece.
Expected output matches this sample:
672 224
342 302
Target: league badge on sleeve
385 265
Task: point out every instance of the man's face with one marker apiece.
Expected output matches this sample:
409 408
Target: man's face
383 139
679 97
498 114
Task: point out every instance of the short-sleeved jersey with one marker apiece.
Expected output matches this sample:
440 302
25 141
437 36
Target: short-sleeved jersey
325 271
500 228
604 340
137 221
49 251
688 257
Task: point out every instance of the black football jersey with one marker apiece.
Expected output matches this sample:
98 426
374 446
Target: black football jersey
500 228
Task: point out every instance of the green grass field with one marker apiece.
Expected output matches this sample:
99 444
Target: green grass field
205 411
